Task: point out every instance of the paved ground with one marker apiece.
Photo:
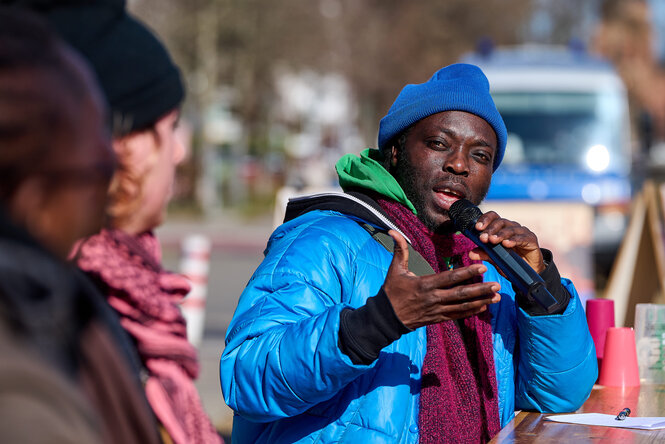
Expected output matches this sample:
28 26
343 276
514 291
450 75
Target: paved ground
237 249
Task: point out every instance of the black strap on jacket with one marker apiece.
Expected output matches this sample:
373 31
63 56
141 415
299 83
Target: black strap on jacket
417 263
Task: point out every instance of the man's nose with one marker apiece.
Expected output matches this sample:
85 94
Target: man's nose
457 163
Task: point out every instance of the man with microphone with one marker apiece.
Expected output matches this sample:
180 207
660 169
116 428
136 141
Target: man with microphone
373 319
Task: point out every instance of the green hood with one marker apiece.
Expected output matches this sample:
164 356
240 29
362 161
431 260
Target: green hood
366 172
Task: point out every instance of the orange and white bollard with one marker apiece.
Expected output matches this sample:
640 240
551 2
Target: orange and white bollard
195 265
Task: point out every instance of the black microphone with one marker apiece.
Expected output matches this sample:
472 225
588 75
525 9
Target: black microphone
464 215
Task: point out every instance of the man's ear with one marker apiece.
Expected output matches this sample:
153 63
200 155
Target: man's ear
393 156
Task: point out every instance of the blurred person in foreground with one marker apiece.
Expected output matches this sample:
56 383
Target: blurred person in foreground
144 90
335 339
66 371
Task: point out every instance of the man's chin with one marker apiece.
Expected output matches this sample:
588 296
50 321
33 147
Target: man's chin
437 223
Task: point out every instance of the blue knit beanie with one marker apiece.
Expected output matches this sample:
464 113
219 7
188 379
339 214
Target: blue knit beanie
458 87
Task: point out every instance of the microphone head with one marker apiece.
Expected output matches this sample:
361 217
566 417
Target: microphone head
464 214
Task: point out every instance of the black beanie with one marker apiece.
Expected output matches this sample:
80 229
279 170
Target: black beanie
134 69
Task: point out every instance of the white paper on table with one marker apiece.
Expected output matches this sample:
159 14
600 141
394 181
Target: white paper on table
599 419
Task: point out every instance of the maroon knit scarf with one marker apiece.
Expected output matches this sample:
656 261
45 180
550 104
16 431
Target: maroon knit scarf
146 298
458 396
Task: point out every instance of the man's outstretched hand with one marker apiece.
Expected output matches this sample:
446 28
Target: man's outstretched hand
425 300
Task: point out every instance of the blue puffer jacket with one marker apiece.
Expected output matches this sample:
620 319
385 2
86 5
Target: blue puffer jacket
284 375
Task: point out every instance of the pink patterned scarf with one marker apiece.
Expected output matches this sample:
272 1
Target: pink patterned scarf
145 297
458 396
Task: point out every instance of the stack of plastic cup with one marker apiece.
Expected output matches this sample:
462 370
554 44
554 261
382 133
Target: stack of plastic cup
600 317
619 368
650 337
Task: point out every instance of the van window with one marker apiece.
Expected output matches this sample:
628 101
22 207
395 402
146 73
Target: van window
579 129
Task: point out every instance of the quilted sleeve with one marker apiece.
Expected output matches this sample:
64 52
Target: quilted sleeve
557 364
282 355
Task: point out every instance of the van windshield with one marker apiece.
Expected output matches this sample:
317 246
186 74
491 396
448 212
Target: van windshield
560 128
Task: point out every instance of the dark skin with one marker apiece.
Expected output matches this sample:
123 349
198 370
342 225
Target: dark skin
449 156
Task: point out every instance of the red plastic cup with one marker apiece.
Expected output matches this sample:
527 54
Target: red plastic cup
619 368
600 317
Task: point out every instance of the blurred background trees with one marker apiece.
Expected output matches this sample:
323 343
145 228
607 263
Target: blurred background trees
275 86
626 36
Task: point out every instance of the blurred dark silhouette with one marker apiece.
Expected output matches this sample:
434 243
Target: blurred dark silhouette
68 372
144 91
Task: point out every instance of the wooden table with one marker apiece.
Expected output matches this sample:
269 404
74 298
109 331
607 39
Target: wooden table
647 400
